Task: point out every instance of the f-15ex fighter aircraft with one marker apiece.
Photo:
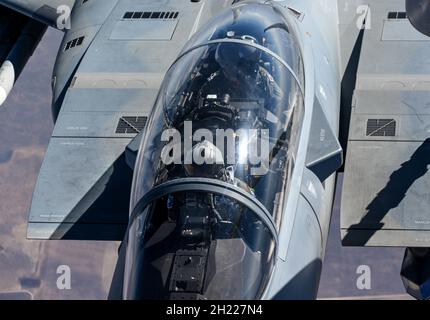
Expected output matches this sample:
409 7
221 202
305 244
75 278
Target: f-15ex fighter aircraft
206 136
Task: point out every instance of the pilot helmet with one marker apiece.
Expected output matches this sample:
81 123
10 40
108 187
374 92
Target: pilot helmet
238 61
207 160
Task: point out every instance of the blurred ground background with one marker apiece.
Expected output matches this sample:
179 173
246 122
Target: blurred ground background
30 266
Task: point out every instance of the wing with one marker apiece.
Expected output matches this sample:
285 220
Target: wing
45 11
385 200
106 86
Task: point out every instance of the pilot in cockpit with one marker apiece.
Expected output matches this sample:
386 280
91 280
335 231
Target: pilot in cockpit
237 70
213 165
241 67
232 71
230 87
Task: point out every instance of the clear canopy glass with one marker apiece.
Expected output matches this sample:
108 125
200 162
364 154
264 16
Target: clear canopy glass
227 117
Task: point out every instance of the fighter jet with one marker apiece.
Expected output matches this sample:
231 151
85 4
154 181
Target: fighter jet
207 135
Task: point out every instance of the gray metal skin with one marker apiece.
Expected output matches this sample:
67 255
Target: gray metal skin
385 188
116 71
385 199
44 10
305 226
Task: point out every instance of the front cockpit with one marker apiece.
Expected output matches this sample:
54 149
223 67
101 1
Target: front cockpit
197 244
214 168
